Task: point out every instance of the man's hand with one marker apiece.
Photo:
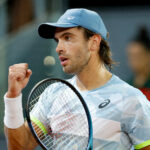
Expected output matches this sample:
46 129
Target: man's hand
18 77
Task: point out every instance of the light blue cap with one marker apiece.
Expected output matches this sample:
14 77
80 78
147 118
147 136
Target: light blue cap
72 18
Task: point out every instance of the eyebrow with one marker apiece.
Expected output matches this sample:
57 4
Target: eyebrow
64 34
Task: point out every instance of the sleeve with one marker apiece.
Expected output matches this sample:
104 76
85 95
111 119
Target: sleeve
136 120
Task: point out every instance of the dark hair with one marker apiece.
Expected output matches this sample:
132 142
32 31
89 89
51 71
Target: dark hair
143 38
104 50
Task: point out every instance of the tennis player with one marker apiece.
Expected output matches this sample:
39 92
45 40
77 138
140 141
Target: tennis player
120 113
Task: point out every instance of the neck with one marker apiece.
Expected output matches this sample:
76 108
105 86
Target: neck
94 75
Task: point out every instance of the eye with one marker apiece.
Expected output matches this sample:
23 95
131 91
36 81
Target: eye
67 38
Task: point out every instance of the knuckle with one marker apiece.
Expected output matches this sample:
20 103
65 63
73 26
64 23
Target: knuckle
18 71
23 65
10 67
11 75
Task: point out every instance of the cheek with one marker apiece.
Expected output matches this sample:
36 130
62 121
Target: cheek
82 54
77 50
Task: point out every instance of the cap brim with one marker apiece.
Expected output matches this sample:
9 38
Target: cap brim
47 30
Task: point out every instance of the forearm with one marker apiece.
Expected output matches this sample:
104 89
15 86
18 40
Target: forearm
17 132
20 138
146 148
17 139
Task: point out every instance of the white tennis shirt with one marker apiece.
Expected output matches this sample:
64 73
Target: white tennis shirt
120 115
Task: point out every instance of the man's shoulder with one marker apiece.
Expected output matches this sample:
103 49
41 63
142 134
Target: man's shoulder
130 94
124 88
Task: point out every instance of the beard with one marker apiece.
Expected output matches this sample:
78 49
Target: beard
76 66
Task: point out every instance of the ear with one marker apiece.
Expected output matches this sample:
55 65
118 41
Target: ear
95 42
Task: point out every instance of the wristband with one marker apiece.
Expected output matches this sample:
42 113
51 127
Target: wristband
13 117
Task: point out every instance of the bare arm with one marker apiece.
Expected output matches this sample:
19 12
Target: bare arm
146 148
20 137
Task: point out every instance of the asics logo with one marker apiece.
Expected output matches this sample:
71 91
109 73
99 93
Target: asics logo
71 17
104 103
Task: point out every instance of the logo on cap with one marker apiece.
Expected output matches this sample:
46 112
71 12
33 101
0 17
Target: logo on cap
71 17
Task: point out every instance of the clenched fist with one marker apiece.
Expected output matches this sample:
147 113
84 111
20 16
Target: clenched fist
18 77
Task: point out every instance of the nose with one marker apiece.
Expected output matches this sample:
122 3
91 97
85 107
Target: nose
60 47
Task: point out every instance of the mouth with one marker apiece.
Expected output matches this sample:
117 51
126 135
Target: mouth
63 60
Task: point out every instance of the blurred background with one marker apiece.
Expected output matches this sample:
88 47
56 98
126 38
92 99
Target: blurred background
19 40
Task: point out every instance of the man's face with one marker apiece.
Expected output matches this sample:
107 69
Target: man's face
72 49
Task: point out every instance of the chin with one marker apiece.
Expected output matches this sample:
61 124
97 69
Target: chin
68 70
